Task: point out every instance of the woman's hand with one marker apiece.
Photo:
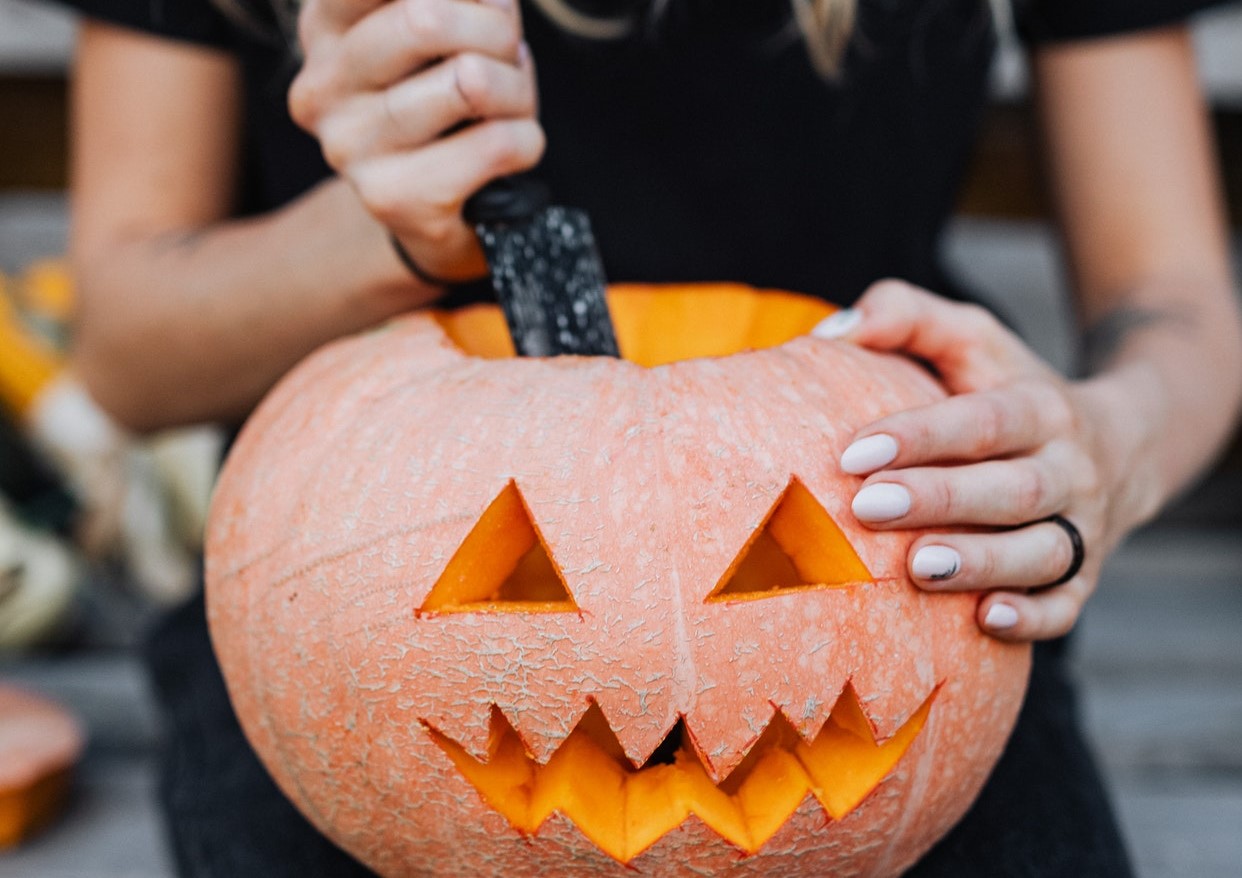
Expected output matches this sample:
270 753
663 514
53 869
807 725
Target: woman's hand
1013 444
389 88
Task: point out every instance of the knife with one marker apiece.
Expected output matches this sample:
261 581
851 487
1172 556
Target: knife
545 269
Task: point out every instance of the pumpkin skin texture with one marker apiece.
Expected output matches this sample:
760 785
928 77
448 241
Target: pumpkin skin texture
434 715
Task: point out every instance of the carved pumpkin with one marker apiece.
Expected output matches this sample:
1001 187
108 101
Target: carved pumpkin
590 616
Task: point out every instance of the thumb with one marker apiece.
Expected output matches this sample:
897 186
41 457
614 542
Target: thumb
967 346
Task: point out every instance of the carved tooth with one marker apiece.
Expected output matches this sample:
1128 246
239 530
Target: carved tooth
808 714
624 810
888 703
882 644
544 728
640 720
724 737
468 725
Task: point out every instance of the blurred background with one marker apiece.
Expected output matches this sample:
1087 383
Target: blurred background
99 531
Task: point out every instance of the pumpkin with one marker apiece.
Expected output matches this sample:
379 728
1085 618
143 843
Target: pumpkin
481 615
39 745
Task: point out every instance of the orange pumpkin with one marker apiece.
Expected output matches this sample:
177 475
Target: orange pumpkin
39 745
591 616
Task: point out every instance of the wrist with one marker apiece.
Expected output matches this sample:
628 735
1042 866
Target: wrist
366 260
417 271
1128 411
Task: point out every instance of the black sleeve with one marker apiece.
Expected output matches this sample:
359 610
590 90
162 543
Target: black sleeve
195 21
1044 21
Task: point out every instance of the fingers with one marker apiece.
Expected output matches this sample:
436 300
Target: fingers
966 344
1041 616
388 89
1027 557
991 493
416 111
1002 564
421 192
394 41
1021 417
405 36
1005 449
326 16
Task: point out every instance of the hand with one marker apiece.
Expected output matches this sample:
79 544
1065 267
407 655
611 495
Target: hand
1014 443
419 103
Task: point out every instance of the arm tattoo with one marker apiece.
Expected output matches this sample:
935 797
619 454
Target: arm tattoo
1103 339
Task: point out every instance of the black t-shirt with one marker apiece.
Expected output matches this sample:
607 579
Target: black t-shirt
706 147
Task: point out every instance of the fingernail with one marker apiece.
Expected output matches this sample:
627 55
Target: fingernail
869 454
524 53
936 562
882 502
838 325
1000 617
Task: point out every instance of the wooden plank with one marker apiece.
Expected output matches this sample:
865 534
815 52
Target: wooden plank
111 830
1158 652
1148 728
33 226
1183 827
35 37
107 690
1169 607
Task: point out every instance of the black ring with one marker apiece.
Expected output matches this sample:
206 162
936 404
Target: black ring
1075 537
408 261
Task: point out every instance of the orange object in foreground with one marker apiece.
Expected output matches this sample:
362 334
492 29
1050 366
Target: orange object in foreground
587 616
39 744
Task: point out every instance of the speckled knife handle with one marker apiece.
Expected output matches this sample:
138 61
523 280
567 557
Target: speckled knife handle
545 269
507 200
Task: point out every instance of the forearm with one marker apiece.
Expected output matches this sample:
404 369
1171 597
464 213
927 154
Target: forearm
1164 365
185 325
1129 148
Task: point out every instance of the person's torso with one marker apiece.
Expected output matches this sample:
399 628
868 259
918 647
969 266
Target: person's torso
706 147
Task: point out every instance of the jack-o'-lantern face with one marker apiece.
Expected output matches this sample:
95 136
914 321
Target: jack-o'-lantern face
553 617
503 566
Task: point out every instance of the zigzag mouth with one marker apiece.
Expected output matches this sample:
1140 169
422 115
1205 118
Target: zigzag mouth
624 809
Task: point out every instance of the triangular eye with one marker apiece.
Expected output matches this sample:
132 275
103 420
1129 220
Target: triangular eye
798 546
502 566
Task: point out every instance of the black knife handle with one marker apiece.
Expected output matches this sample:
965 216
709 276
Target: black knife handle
507 200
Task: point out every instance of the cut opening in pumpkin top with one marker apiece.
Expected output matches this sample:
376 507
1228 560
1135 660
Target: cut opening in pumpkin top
664 324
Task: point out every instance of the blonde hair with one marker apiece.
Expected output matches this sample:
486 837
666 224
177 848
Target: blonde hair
285 13
826 26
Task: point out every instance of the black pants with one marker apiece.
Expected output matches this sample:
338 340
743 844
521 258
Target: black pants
1042 813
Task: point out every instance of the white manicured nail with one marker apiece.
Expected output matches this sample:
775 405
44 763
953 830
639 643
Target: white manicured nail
882 502
936 562
1000 617
838 325
869 454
